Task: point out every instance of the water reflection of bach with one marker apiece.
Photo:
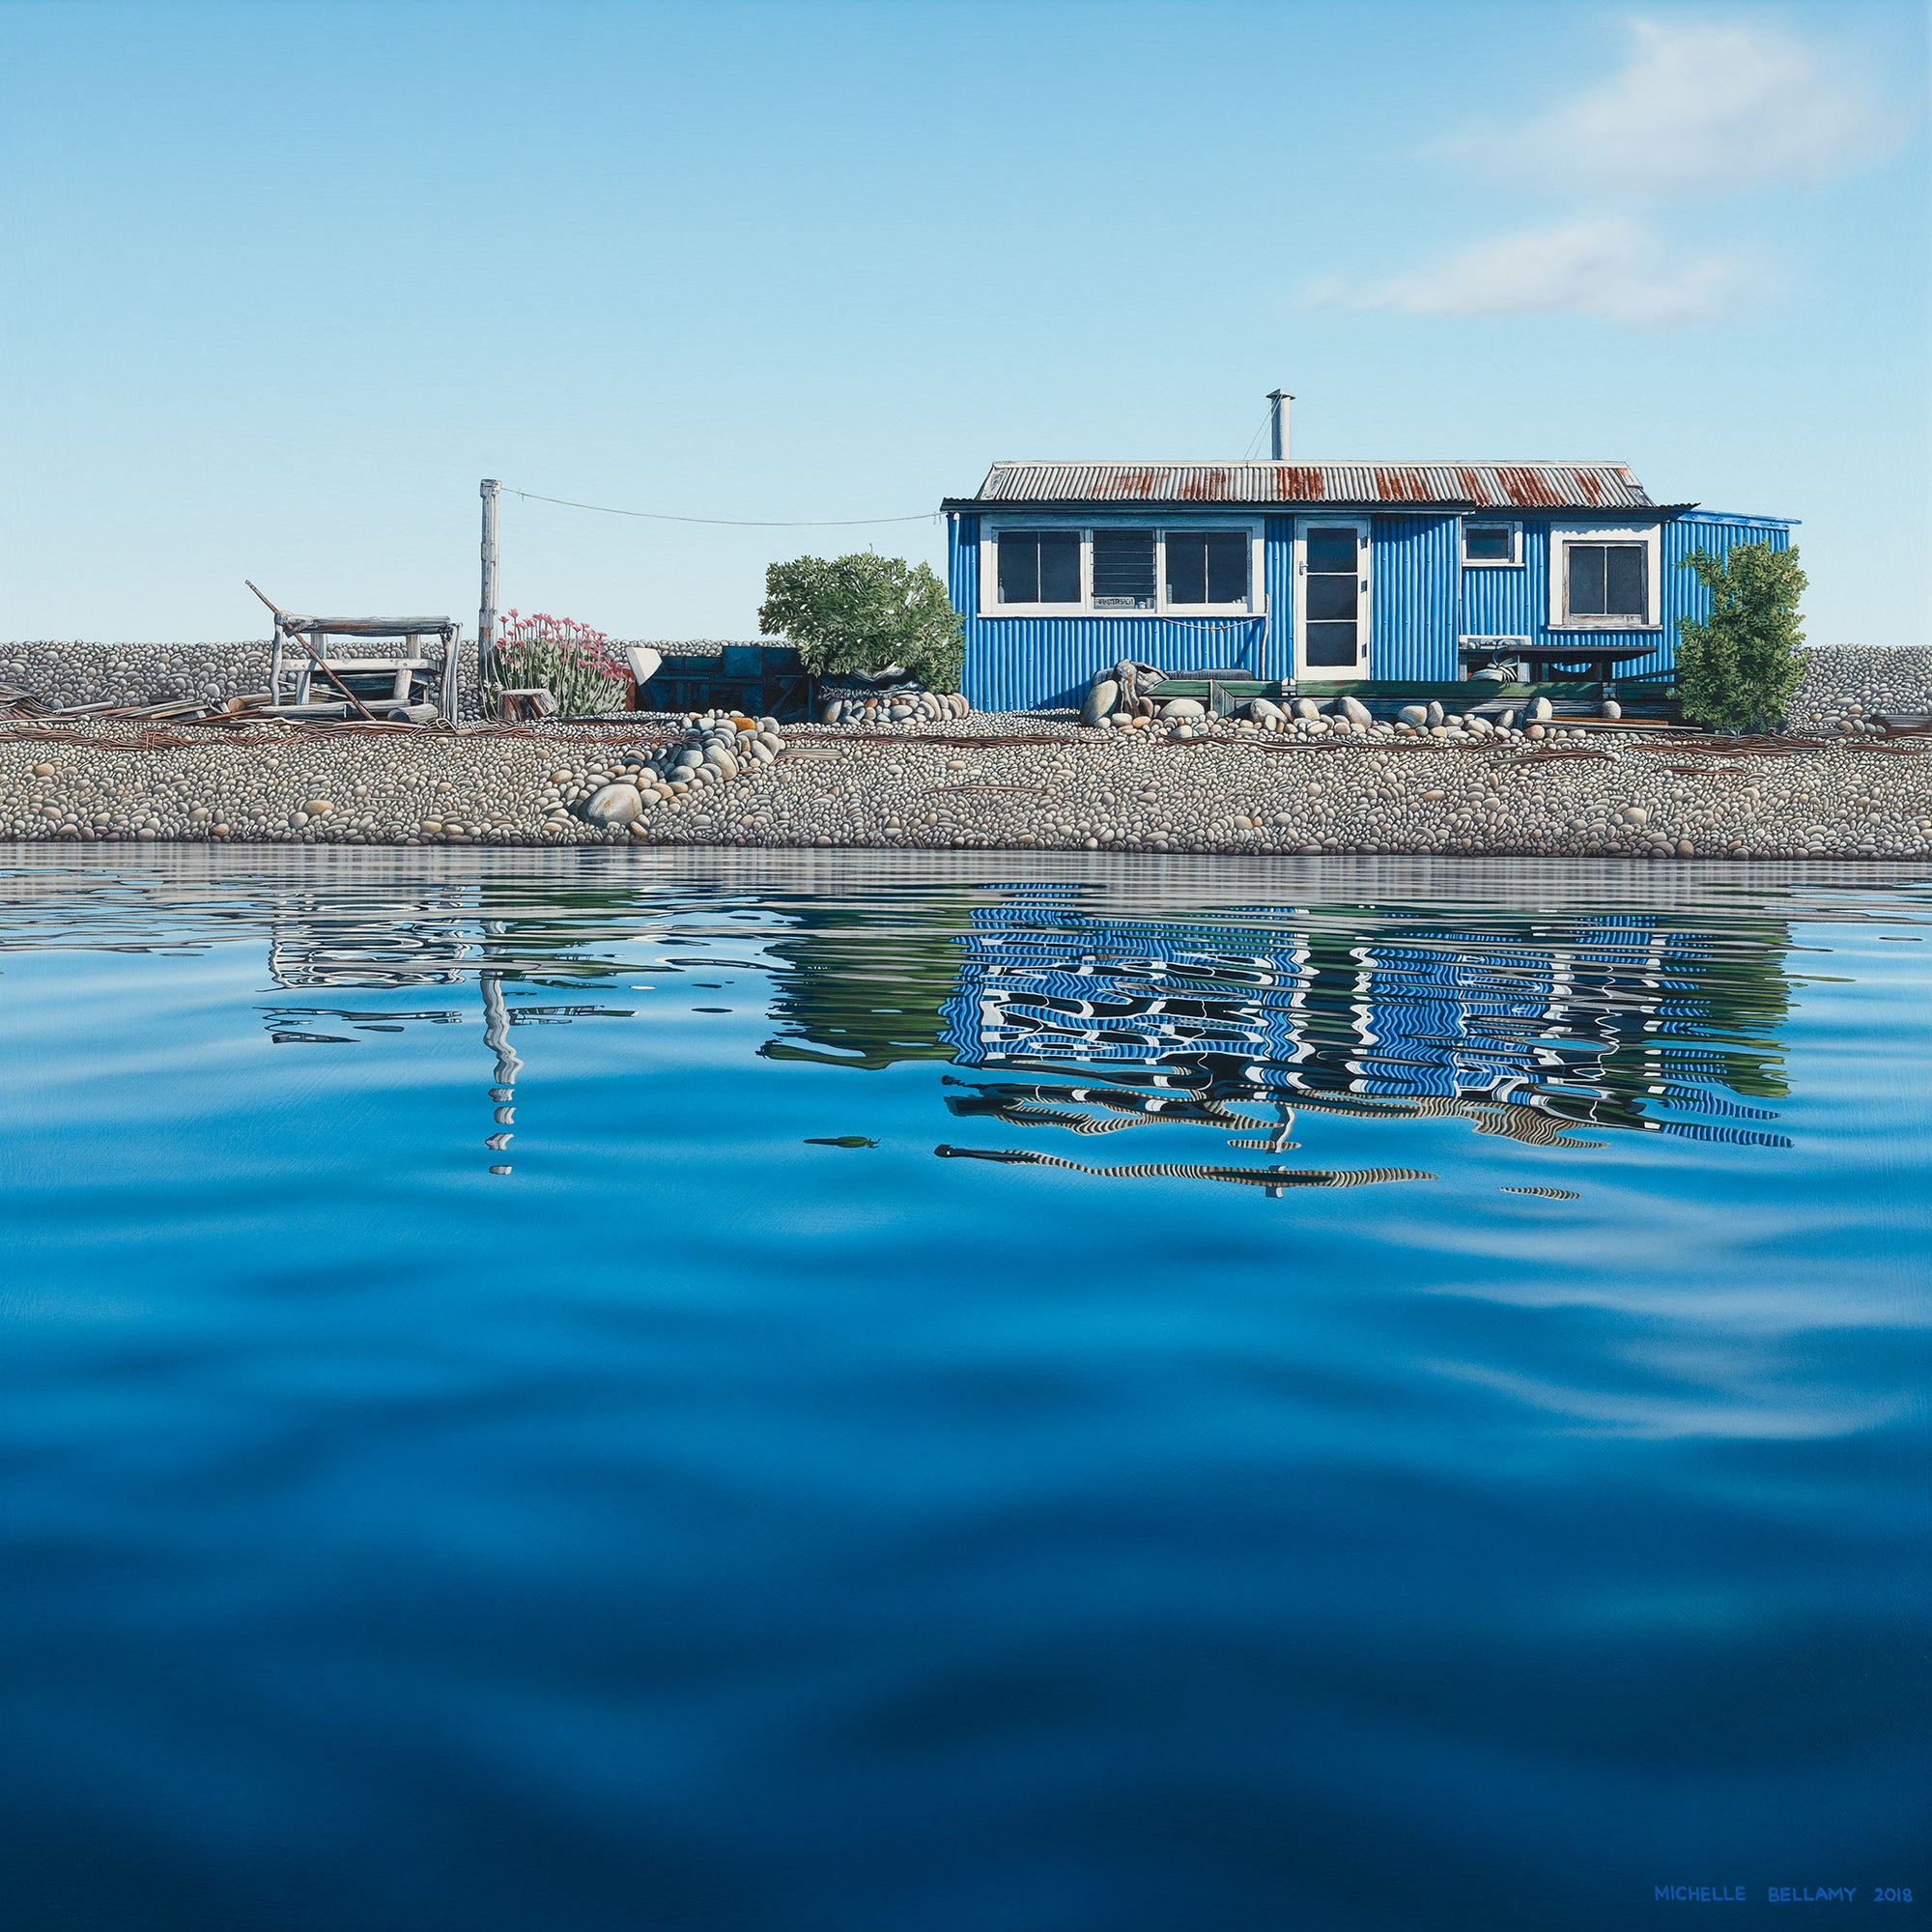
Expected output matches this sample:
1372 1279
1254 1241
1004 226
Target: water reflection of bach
497 1036
1527 1027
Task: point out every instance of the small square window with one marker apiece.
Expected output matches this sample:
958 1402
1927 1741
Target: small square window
1490 543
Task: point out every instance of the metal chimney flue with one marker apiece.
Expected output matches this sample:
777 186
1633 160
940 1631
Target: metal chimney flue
1278 402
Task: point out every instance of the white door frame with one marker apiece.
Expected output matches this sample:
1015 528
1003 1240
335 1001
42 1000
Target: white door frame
1364 595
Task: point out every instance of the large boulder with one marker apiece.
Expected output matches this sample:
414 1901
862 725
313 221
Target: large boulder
1355 711
614 805
1184 707
1102 698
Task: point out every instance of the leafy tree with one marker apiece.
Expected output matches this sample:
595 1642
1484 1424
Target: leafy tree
866 612
1738 668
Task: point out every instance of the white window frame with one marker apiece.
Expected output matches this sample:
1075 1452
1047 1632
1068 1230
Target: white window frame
1255 604
1563 534
1513 561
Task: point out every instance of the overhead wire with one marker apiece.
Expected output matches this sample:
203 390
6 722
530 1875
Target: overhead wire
729 523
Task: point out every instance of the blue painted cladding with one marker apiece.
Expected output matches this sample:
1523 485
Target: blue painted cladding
1278 580
1515 601
1412 597
1423 600
1024 664
1511 601
1683 595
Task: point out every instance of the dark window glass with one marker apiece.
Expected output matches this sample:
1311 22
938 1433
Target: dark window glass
1331 596
1227 567
1039 566
1331 644
1586 580
1207 567
1607 581
1623 579
1489 543
1123 570
1186 567
1331 550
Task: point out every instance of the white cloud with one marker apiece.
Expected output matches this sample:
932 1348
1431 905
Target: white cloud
1700 107
1608 265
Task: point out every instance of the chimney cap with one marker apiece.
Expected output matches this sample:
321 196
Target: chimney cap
1281 395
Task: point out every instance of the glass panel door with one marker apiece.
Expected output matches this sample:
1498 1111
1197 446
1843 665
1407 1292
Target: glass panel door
1333 582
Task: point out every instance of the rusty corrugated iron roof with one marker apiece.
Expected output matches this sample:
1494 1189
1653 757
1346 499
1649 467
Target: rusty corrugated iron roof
1481 486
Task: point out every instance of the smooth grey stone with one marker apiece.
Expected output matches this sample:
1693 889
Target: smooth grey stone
1101 696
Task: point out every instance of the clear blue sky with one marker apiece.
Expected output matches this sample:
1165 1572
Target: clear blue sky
283 281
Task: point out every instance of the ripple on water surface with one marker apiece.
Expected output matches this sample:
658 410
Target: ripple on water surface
843 1390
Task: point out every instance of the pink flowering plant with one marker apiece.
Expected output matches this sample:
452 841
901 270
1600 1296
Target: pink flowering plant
577 665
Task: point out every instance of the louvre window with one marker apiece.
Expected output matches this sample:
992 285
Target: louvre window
1207 567
1123 574
1039 566
1607 581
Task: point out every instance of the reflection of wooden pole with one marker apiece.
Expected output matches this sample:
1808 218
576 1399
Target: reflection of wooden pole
497 1036
486 615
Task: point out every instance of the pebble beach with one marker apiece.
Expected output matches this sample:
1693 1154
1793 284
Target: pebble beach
1001 781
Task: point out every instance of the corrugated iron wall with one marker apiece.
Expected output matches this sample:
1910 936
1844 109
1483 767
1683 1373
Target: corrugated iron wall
1413 596
1023 664
1423 600
1278 580
1515 601
1683 595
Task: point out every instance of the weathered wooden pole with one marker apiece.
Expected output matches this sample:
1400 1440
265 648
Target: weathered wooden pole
486 616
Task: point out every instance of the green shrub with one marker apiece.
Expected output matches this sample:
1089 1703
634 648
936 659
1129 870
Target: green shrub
568 658
1738 668
866 612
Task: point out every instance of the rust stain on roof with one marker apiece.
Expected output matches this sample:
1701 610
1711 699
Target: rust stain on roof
1483 485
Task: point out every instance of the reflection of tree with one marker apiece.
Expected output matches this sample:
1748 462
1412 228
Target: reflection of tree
867 989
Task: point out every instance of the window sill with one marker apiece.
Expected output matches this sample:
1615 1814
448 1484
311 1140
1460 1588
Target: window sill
1181 614
1598 627
1492 563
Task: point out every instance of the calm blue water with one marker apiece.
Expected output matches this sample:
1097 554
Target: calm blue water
472 1463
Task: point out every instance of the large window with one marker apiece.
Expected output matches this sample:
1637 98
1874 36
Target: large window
1119 568
1039 566
1607 581
1207 567
1603 579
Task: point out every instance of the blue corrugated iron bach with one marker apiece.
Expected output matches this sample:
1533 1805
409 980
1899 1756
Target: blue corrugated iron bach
1318 572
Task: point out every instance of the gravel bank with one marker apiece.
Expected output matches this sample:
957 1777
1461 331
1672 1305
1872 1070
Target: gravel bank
896 787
